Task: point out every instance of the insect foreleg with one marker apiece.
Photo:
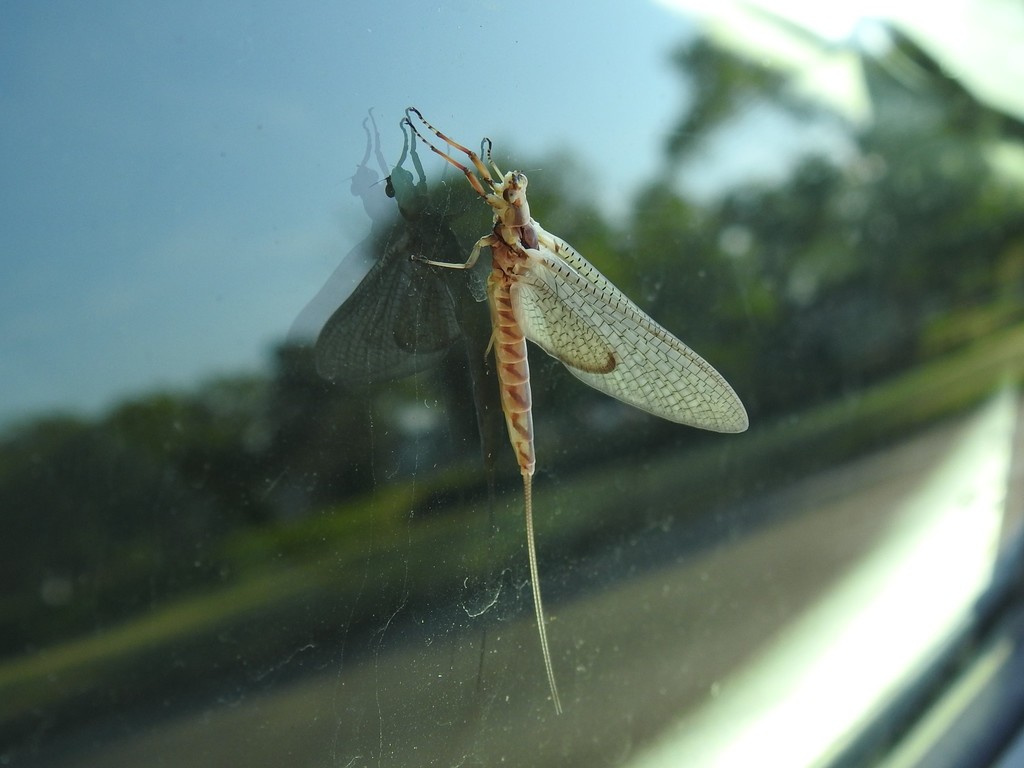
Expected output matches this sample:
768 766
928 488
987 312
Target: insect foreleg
474 158
469 263
376 146
485 155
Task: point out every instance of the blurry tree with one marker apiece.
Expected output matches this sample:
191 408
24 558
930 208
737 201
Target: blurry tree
842 268
720 87
99 525
319 444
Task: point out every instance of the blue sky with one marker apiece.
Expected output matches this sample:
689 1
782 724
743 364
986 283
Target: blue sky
176 175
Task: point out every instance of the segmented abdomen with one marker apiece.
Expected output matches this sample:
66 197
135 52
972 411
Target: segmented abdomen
513 371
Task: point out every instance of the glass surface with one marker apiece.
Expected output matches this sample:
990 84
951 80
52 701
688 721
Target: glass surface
228 543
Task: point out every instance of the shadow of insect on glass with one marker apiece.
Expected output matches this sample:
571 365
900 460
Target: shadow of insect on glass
403 317
400 319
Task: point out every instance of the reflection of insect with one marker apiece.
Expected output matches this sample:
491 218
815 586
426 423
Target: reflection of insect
542 290
380 316
398 320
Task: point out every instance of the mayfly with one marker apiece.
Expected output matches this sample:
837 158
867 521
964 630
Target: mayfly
541 289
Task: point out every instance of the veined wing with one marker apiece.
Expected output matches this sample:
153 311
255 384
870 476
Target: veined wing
583 268
574 313
399 320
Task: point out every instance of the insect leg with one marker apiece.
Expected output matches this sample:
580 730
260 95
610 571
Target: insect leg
405 144
369 141
485 155
376 146
473 256
473 156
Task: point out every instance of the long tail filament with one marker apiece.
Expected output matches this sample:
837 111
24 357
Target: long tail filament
538 605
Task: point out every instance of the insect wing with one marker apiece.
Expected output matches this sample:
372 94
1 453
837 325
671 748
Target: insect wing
565 252
574 313
564 329
398 321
